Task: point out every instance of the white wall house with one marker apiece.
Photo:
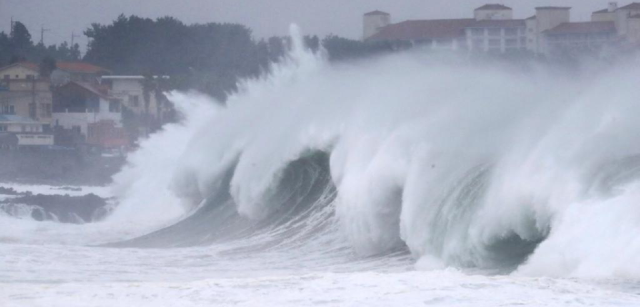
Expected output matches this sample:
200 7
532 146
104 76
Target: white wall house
129 90
77 105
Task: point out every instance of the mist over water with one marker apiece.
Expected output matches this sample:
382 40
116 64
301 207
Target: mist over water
462 163
412 159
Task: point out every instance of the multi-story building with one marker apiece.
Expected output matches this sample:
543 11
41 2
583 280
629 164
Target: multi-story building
143 97
494 30
77 105
130 90
497 36
24 93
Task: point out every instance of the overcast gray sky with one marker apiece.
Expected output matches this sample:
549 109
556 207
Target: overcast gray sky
264 17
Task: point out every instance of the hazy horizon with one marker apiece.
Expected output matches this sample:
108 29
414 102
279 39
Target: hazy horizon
265 18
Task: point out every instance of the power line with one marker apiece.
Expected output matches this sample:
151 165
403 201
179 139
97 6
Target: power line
73 36
42 30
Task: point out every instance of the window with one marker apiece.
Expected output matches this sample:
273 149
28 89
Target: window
477 32
478 44
3 128
29 77
495 32
7 77
46 109
5 107
114 106
512 42
8 109
439 42
134 100
494 43
510 32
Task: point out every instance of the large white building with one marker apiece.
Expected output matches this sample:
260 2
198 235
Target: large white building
494 30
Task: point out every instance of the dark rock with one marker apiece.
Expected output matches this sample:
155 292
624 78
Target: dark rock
8 191
64 208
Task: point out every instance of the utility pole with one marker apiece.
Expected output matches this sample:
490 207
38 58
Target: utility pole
42 30
73 36
11 33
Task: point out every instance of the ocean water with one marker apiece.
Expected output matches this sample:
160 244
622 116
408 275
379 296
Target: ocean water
411 179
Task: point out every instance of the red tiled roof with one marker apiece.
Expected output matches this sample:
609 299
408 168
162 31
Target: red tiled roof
376 12
583 27
73 67
493 7
632 6
424 29
506 23
80 67
532 17
29 65
601 11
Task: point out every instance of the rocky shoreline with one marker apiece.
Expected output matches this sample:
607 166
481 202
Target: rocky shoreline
60 208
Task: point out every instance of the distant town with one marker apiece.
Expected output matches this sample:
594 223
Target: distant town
78 104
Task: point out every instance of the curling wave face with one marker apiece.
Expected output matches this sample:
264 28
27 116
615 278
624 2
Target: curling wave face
474 165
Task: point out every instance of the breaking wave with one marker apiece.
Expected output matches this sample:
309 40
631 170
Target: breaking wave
479 165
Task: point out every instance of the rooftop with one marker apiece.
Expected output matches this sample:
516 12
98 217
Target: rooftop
505 23
72 67
493 7
553 8
583 27
424 29
85 87
132 77
376 12
632 6
28 65
80 67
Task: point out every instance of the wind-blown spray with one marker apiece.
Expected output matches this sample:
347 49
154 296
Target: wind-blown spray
462 163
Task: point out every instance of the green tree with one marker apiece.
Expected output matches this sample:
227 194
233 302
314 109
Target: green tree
20 40
47 66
